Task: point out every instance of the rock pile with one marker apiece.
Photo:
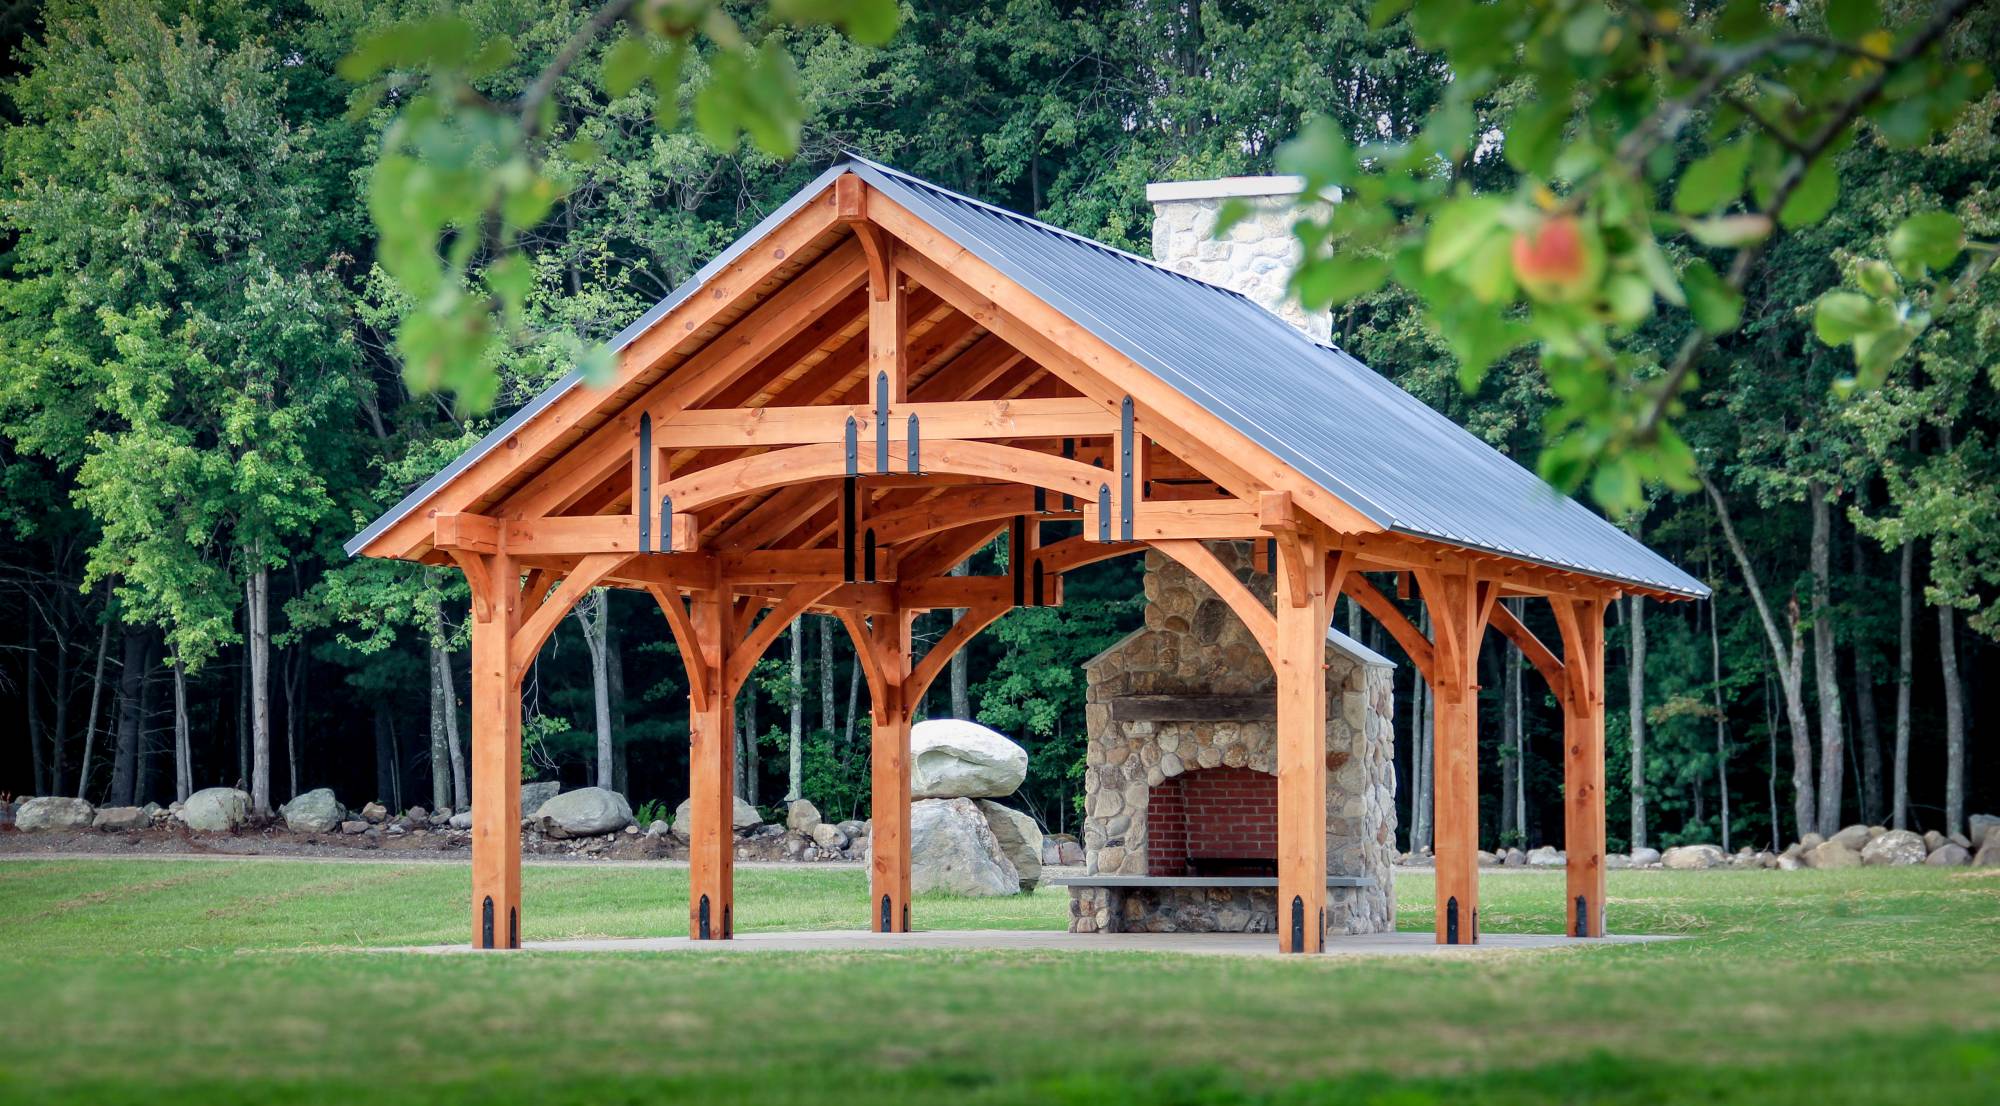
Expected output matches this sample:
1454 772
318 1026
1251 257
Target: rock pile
1856 846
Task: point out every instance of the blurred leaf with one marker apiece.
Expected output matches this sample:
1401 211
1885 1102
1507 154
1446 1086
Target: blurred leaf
1814 196
626 64
1330 281
1842 316
1458 228
1717 308
1931 240
1851 19
1713 181
1729 230
439 42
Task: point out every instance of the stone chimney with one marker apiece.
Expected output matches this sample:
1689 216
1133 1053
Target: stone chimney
1255 258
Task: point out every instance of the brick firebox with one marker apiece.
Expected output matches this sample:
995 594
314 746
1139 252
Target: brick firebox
1214 822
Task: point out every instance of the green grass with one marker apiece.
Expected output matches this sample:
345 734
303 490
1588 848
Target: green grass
225 982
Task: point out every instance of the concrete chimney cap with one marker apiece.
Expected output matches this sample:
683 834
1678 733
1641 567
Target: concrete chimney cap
1222 188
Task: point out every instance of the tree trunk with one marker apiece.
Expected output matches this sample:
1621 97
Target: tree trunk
1420 753
142 790
748 759
385 755
1906 603
1954 722
1867 726
461 795
96 697
1790 664
853 697
828 717
183 755
1826 674
1771 770
961 682
34 703
295 686
614 663
257 592
1721 720
125 757
1635 689
1510 740
795 764
593 612
440 758
59 728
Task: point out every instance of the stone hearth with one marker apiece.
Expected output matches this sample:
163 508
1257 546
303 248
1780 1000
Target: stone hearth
1180 769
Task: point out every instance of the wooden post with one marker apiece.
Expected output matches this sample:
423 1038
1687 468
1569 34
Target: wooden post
711 775
496 752
1299 659
1582 624
1459 607
889 775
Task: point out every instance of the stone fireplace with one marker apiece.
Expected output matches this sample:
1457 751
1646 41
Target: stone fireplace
1180 807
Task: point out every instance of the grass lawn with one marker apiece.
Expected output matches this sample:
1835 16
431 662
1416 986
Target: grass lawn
224 982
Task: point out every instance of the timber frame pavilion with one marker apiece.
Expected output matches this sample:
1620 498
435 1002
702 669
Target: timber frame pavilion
881 378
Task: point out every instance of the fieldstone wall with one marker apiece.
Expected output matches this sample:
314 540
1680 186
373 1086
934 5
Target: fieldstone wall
1192 644
1255 258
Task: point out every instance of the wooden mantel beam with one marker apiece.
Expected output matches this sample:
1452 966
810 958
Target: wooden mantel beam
555 535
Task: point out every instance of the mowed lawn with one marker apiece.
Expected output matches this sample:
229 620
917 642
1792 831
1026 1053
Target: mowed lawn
237 982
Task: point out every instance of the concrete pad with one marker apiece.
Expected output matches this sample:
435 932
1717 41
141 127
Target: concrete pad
1006 940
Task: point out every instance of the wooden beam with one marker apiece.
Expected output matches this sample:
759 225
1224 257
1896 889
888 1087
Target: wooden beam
1191 519
1193 708
1413 642
710 428
1459 606
469 532
744 657
807 463
408 535
1581 622
1297 649
528 640
496 753
1532 648
976 618
711 776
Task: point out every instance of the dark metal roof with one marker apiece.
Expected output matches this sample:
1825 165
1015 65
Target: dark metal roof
1343 426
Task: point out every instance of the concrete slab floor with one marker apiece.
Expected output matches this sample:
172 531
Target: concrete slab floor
1005 940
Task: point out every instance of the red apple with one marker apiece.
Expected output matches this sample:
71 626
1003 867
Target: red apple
1557 260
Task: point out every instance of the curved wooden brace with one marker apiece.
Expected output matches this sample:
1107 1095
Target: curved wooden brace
807 463
536 630
1576 691
1195 557
478 580
935 515
1074 553
879 689
700 668
1531 647
925 672
1414 643
744 657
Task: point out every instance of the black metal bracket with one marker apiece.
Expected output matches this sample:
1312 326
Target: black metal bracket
906 918
1298 924
916 466
513 927
1104 512
486 923
666 524
1126 448
882 423
1041 584
1582 917
1017 558
888 922
1451 921
1069 454
701 916
728 922
853 448
868 554
645 497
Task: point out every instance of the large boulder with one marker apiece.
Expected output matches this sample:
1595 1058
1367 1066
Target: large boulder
1020 838
1644 855
801 816
953 851
828 836
1832 854
533 795
316 811
1854 838
1894 849
215 809
1948 855
1692 858
1988 855
952 759
1982 826
585 812
744 817
53 812
114 819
